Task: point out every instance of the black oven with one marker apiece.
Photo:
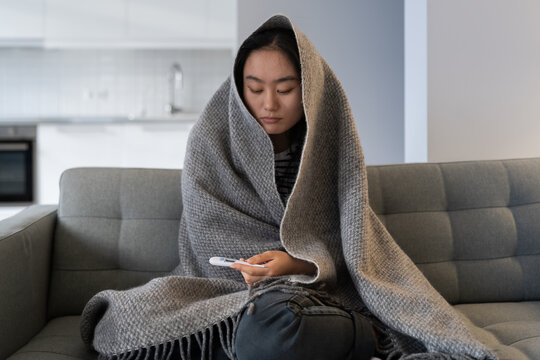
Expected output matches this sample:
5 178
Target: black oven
17 165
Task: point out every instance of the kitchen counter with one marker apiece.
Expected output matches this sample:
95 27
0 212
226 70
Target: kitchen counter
64 142
99 119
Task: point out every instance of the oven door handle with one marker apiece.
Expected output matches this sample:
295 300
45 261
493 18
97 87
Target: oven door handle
14 147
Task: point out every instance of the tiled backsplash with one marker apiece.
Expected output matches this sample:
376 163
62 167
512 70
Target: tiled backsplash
87 82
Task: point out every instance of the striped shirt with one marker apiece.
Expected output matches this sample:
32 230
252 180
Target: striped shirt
286 165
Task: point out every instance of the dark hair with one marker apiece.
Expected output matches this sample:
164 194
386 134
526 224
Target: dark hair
278 39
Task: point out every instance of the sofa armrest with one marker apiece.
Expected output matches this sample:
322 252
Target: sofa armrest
25 252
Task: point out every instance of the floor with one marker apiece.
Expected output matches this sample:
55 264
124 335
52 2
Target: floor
7 211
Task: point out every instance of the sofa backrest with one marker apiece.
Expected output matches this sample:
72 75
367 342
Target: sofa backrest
473 228
116 228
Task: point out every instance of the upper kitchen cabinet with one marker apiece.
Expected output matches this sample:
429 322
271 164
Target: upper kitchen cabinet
79 23
166 20
140 23
21 22
182 23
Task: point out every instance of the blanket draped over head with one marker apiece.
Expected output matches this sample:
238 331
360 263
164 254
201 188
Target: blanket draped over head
233 209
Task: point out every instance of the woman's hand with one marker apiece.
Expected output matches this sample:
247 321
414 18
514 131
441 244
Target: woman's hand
277 263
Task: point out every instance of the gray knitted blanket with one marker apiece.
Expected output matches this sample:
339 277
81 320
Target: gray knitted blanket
232 208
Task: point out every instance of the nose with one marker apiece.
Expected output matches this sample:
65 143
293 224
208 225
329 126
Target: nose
270 101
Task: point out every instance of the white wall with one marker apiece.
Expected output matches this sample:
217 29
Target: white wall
363 43
415 72
483 79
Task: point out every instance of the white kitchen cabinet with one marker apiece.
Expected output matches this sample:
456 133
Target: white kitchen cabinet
166 19
83 22
21 19
64 146
60 147
118 23
184 22
155 145
140 23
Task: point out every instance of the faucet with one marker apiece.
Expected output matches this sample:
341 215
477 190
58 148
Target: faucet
176 85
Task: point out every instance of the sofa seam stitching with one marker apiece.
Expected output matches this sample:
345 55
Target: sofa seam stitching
495 258
463 209
113 218
449 218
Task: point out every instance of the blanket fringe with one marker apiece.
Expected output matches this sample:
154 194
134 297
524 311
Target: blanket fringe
182 348
389 345
225 330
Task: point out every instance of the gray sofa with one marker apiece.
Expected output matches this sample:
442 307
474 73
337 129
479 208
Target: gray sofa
473 228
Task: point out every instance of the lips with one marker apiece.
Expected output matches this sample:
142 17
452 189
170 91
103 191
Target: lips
270 120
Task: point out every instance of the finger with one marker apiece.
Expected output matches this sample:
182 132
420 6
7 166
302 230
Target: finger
246 278
250 280
250 270
261 258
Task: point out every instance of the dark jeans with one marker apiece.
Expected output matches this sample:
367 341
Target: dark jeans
287 326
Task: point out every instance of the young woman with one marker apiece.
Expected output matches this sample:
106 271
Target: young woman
267 71
274 173
268 74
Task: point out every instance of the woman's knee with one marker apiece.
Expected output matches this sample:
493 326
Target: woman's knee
263 327
285 326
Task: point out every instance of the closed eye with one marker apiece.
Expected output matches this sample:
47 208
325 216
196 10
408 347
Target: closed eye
255 91
284 91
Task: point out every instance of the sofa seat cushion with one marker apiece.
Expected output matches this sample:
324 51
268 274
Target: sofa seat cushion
512 329
60 339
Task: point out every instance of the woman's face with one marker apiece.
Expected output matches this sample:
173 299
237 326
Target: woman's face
272 90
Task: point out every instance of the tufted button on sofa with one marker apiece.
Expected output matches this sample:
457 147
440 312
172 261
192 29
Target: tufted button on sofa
473 229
